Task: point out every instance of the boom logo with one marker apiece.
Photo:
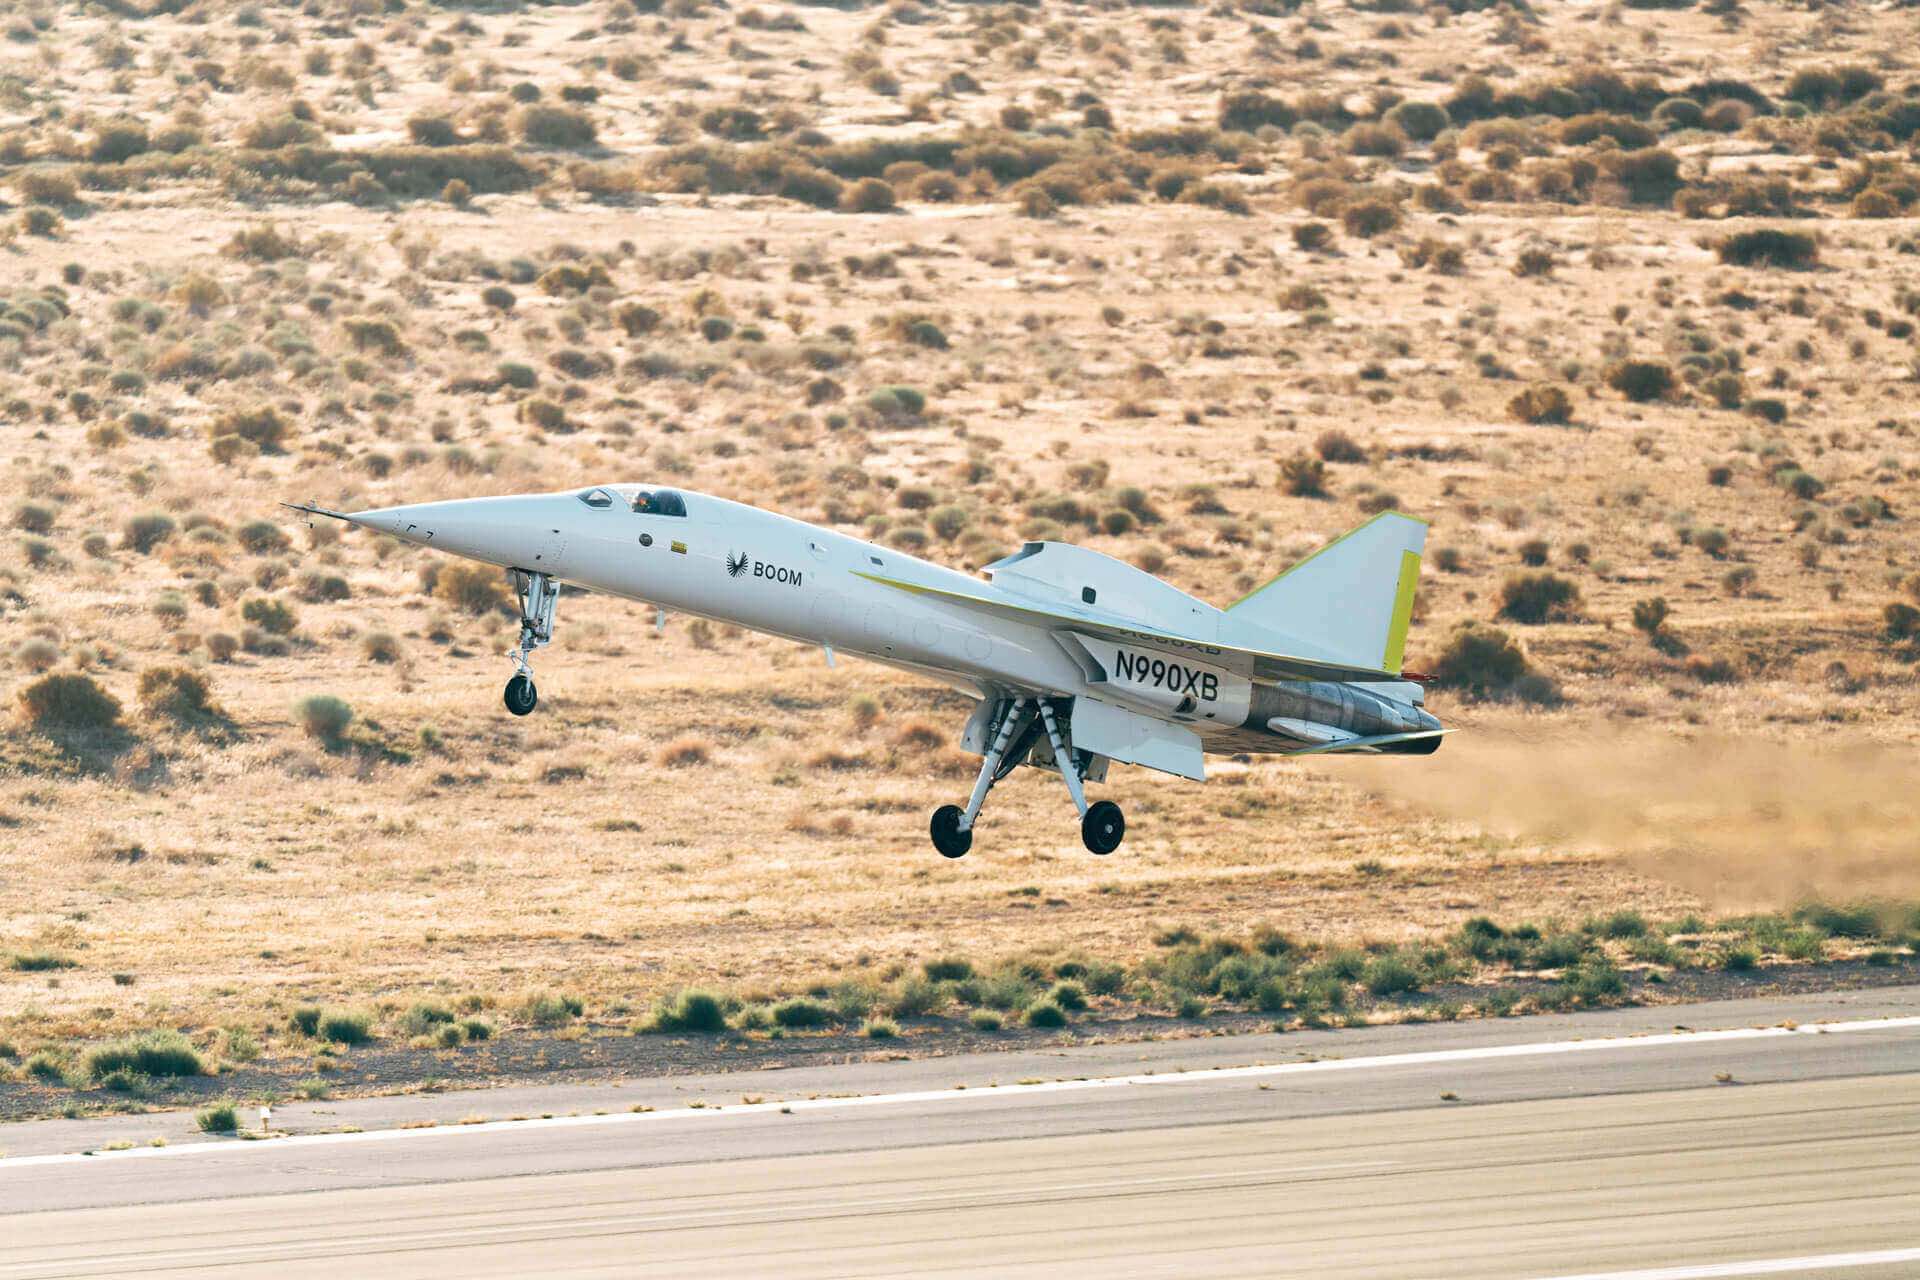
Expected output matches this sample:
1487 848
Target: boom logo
1138 668
738 563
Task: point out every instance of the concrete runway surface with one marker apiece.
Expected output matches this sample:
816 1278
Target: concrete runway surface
1507 1151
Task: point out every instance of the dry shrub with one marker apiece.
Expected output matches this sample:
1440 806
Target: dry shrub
261 426
265 243
1769 247
1369 218
118 141
543 125
570 277
1650 175
1641 380
685 753
1337 446
869 195
143 533
1420 121
1368 139
71 702
376 333
474 589
1303 476
176 693
429 130
1480 660
1542 404
47 186
1535 598
380 646
324 717
920 735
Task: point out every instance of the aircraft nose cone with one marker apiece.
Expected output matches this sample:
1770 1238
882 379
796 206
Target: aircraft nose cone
381 520
503 531
415 522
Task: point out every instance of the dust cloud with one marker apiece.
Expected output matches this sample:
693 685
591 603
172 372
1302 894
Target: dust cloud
1741 823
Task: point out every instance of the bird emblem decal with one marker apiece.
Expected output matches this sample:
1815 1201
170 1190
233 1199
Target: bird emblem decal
736 563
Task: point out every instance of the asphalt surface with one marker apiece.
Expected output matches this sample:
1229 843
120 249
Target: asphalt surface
1511 1150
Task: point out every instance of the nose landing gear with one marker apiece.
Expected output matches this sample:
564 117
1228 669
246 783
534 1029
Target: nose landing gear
537 593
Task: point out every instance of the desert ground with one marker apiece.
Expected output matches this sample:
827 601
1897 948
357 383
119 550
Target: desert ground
1621 298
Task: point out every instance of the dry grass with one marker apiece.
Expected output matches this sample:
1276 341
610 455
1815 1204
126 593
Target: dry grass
991 282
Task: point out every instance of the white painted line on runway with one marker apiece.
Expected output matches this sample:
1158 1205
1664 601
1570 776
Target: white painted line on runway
1759 1267
982 1093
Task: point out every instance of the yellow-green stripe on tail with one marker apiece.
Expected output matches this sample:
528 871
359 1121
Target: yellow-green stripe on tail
1402 610
1351 601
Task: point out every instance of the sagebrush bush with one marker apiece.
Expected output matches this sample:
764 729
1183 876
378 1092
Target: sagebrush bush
119 141
1541 404
1368 139
549 1008
1044 1015
474 589
1640 380
345 1026
176 693
1303 476
324 717
156 1053
261 537
429 130
1480 660
801 1012
1651 175
262 426
1337 446
1369 218
71 702
380 646
690 1010
269 615
685 753
143 533
1420 121
1535 598
1769 247
33 517
869 195
558 127
47 186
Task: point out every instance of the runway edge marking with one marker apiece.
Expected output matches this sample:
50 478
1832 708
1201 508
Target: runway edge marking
1756 1267
978 1094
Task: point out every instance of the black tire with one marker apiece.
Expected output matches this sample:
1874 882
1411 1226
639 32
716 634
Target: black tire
521 697
948 838
1103 828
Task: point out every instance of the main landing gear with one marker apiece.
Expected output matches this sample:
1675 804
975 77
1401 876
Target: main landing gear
537 594
1020 721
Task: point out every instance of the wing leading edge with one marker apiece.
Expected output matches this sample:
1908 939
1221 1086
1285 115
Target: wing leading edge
1254 662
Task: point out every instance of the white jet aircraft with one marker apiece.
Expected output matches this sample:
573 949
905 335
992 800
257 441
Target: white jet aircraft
1076 658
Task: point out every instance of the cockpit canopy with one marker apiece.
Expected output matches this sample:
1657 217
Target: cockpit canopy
639 499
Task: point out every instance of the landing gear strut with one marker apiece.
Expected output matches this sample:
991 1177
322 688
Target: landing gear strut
1018 722
537 594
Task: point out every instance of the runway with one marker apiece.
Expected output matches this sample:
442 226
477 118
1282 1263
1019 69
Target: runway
1735 1151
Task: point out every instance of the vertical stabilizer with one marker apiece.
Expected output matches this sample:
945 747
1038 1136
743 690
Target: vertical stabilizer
1352 599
